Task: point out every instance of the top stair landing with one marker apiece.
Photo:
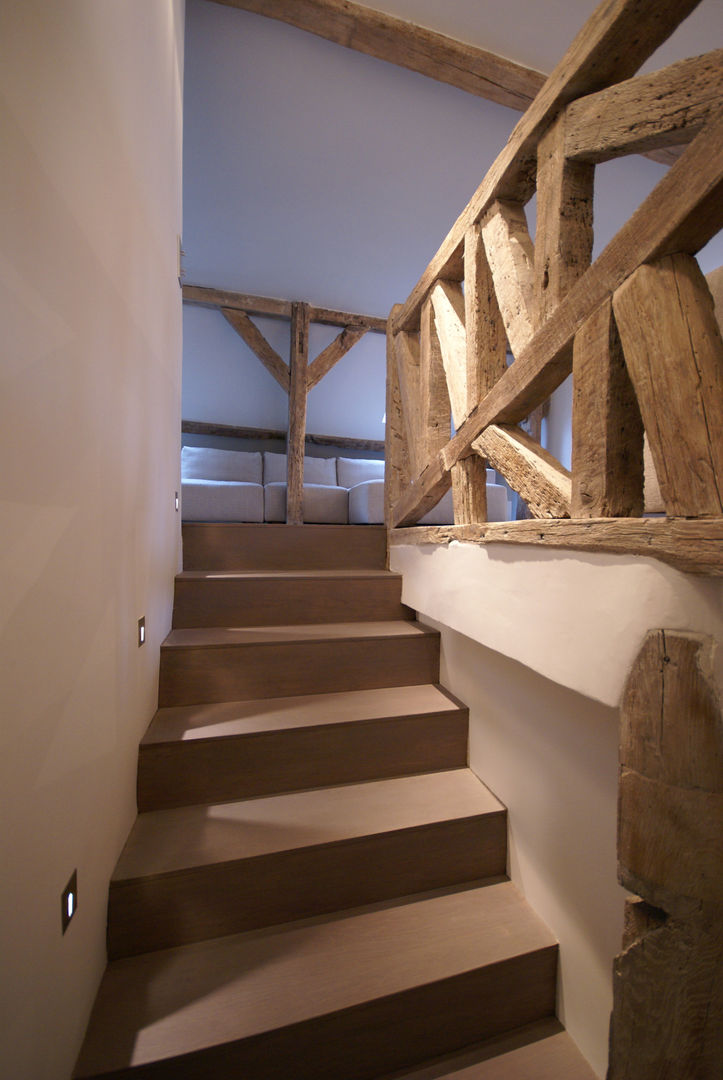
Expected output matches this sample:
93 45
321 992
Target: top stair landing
231 546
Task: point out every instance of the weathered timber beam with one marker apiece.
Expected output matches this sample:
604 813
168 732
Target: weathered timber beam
387 38
405 353
258 344
695 546
396 456
511 258
666 108
234 431
469 490
298 364
279 309
528 468
332 354
674 354
435 410
681 214
615 41
448 303
484 329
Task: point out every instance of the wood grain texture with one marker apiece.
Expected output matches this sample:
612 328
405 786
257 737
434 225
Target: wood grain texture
348 997
449 315
234 431
469 490
278 309
674 354
406 361
528 468
511 258
298 366
428 52
332 354
611 46
397 448
434 405
258 344
665 108
691 545
564 235
682 212
607 430
232 546
485 332
670 821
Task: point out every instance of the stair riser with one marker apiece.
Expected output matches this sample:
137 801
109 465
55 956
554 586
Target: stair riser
192 676
214 901
219 770
284 547
267 602
380 1036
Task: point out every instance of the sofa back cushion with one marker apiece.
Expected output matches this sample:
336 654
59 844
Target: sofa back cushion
352 471
316 470
207 463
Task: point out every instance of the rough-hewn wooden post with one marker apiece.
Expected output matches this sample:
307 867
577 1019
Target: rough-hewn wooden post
298 361
396 457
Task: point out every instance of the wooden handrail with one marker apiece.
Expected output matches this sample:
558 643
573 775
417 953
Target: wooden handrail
562 315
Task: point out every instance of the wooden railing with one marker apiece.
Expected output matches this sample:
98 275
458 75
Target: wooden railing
636 328
300 375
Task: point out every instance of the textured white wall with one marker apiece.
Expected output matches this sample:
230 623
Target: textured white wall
90 125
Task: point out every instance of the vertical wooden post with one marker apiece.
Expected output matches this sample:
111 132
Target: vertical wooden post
436 416
607 431
396 456
298 362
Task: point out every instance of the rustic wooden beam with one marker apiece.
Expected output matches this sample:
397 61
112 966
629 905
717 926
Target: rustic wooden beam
649 112
279 309
396 469
430 53
258 344
405 350
528 468
469 490
681 214
511 258
670 822
234 431
299 356
615 41
693 545
564 235
607 431
448 303
435 409
485 334
332 354
674 353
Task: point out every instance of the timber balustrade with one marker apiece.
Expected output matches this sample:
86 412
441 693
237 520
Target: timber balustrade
300 375
636 328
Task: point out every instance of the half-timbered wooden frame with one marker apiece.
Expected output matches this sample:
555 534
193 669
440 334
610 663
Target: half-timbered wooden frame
636 328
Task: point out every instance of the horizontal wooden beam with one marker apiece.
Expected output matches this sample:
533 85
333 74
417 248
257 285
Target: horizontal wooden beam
692 545
682 213
666 108
403 43
615 41
233 431
279 309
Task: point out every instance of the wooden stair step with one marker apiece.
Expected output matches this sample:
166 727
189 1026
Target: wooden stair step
211 664
256 598
341 998
542 1050
231 546
234 750
204 871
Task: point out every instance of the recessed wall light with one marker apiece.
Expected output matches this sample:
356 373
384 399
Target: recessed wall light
69 901
141 631
177 502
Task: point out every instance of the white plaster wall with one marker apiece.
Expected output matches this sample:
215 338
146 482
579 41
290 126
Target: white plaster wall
90 211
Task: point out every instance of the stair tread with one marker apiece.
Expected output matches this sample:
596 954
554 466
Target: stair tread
214 636
542 1050
164 841
287 575
176 1001
180 723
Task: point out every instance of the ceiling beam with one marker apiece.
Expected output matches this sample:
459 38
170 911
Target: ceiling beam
387 38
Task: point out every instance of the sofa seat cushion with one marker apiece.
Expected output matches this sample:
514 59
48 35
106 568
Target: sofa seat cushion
208 463
317 470
221 500
366 505
352 471
321 504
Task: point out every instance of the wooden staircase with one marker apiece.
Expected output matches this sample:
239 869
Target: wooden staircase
314 888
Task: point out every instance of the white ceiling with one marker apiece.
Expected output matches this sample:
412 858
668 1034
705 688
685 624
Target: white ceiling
536 32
